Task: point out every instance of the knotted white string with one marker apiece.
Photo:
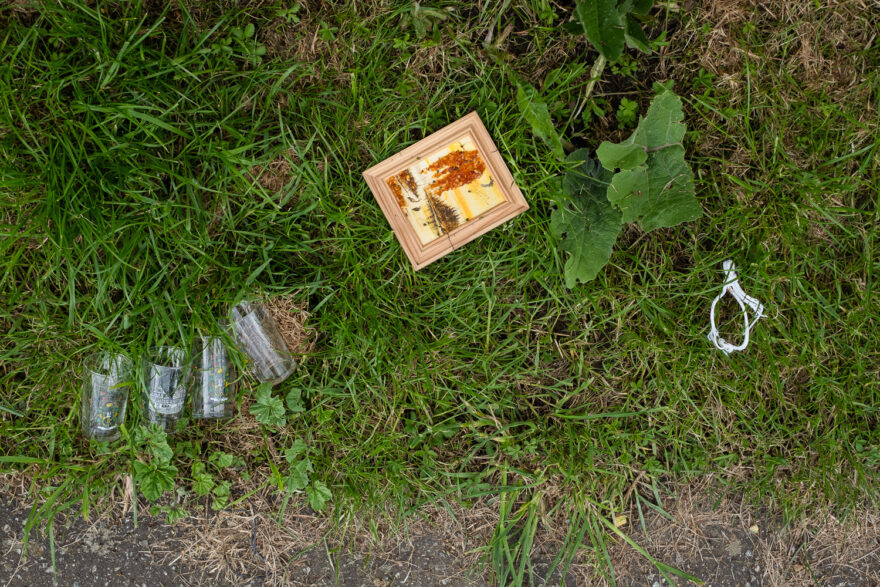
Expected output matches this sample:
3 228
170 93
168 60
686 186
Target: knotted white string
731 284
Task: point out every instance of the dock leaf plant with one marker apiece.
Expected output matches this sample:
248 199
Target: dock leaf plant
644 179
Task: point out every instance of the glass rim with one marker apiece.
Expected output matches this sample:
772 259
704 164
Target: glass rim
166 356
92 363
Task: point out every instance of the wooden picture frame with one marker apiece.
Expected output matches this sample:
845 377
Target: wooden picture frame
446 190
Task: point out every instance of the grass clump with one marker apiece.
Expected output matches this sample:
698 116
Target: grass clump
150 178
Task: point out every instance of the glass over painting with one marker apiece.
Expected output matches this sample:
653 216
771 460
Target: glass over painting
445 190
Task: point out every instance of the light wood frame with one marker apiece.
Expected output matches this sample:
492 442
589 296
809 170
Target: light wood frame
420 254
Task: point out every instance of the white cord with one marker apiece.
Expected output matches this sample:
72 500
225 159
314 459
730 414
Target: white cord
731 284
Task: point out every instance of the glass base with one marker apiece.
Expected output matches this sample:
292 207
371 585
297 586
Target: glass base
102 435
278 378
167 422
214 415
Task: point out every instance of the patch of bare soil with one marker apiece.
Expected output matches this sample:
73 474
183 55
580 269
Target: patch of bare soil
99 551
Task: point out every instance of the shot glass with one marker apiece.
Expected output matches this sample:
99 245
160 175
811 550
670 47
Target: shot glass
105 386
165 377
257 336
213 380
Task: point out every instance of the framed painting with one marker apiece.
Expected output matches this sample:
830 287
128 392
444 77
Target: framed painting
446 190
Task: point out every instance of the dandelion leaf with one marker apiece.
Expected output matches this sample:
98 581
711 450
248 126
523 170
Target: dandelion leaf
603 26
584 220
654 185
535 111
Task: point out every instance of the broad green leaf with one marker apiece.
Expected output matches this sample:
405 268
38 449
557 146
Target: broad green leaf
188 449
641 7
267 409
426 11
534 110
299 476
659 192
172 513
140 434
584 220
222 459
175 513
159 447
626 155
635 36
294 400
221 495
296 449
156 442
603 26
155 478
574 27
305 465
318 495
203 483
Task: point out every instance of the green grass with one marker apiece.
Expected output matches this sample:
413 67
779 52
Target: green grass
130 219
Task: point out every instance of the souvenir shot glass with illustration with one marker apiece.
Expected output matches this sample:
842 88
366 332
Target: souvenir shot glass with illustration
213 379
258 337
106 382
165 378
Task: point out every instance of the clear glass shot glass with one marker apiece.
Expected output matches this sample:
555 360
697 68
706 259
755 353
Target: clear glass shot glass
213 379
258 337
106 382
165 380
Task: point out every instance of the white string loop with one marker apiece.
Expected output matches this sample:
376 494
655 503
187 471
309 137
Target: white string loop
731 284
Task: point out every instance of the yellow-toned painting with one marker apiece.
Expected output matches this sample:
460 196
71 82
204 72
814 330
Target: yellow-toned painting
446 189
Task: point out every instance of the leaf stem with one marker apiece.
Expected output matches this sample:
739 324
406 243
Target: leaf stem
595 74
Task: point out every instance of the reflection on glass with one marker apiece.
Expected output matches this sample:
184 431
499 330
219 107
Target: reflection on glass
257 335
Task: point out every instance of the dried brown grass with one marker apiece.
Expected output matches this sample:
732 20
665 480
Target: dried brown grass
26 7
252 541
793 63
291 312
260 539
276 174
817 44
706 527
255 541
14 484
